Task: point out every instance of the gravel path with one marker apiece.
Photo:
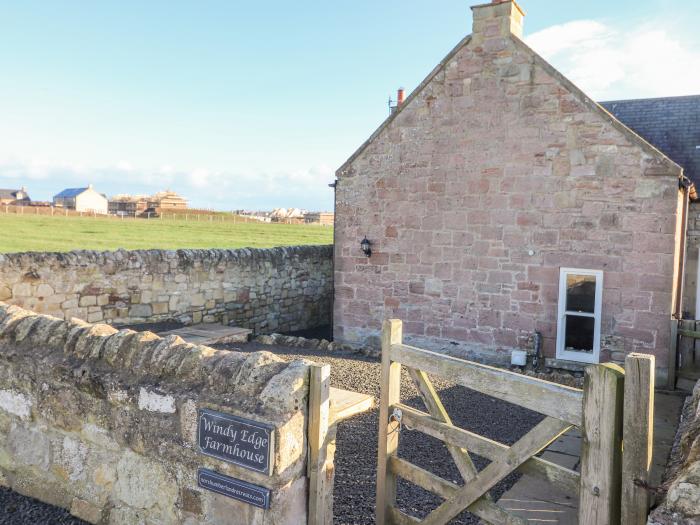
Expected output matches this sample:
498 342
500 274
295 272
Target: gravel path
356 454
16 509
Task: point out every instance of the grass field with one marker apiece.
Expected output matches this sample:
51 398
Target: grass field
60 234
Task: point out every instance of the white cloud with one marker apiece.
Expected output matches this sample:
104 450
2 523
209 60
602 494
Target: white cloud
203 187
612 64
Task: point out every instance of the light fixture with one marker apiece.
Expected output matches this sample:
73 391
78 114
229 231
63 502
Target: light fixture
366 246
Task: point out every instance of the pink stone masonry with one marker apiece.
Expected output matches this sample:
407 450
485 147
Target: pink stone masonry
495 173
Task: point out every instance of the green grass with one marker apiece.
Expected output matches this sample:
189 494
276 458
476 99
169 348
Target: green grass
60 234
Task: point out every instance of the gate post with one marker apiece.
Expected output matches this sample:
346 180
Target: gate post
601 448
320 480
637 437
388 436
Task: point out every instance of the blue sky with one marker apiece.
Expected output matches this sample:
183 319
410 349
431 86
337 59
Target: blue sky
255 104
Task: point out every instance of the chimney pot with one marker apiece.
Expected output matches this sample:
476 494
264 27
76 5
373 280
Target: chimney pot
400 95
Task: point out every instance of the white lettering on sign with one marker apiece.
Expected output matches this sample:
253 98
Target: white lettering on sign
237 440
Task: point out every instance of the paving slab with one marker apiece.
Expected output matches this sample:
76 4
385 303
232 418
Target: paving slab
540 502
210 333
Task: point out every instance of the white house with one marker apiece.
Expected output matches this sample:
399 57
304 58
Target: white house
82 199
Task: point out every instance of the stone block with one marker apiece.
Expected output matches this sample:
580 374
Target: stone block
140 311
85 511
22 290
88 300
160 308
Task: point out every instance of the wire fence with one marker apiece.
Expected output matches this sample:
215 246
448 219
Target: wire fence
169 215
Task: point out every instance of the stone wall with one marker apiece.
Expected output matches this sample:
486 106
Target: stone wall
680 504
279 289
690 284
495 173
104 422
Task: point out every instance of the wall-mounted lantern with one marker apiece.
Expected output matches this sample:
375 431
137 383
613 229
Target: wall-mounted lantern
366 246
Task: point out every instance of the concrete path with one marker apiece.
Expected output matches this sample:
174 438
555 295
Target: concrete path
540 502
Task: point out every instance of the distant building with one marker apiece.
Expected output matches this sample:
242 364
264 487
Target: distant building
82 199
128 205
137 205
14 197
167 200
288 215
324 218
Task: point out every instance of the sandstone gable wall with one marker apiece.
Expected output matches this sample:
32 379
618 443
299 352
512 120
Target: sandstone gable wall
493 175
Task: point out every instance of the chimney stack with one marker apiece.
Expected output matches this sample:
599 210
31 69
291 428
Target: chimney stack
400 94
499 19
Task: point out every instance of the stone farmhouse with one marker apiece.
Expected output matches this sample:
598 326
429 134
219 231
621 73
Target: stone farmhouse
12 197
81 199
502 209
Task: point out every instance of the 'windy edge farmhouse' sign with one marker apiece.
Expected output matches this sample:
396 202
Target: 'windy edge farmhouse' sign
236 440
242 442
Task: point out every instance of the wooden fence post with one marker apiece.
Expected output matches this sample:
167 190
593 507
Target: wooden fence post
320 486
637 436
388 433
673 355
601 447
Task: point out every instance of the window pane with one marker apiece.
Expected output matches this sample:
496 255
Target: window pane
579 333
580 293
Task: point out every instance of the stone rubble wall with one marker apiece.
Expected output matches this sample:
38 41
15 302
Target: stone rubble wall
278 289
104 422
681 502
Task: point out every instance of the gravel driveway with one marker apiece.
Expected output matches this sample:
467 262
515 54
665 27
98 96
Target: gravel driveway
356 454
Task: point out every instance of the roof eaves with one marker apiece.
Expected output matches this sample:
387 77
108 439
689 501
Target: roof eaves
406 102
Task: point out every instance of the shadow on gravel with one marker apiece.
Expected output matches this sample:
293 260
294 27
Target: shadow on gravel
16 509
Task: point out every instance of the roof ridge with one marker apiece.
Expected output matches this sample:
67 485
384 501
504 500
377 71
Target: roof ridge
672 97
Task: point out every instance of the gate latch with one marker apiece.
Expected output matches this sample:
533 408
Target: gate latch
396 416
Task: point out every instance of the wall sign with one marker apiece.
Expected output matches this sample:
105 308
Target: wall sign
234 488
237 440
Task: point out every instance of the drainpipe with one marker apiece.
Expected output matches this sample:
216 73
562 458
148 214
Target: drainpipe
333 185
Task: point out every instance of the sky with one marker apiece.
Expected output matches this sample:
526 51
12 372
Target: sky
254 105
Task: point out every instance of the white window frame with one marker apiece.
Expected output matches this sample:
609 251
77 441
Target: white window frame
569 355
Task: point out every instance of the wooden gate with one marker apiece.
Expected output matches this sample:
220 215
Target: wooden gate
597 411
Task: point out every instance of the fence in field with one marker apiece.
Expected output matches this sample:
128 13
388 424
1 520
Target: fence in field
170 215
612 408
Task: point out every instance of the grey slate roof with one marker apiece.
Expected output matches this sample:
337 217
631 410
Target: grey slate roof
671 124
7 193
69 192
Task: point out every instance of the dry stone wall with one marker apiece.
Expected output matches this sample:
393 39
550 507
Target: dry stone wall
104 422
278 289
681 488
